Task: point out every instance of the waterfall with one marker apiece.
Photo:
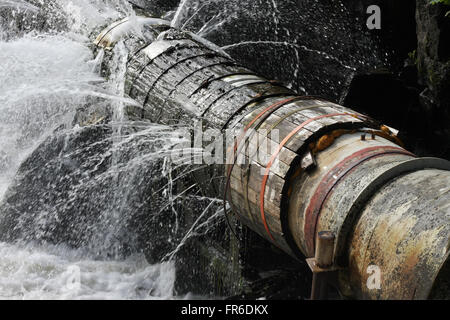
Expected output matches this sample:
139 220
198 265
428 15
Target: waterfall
48 75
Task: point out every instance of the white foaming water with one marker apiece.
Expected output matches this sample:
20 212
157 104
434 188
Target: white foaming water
179 14
56 272
292 45
19 4
45 77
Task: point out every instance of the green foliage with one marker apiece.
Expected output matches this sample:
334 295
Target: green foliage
413 56
447 2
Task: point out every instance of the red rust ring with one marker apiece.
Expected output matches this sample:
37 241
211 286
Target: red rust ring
271 108
330 180
275 155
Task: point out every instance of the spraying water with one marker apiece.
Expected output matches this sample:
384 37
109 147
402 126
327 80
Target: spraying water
48 75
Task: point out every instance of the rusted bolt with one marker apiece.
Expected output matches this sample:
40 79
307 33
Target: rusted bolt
323 259
324 249
363 137
373 136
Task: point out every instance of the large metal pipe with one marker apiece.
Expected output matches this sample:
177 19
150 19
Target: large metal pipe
332 169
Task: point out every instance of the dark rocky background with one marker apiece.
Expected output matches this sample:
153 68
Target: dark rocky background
399 74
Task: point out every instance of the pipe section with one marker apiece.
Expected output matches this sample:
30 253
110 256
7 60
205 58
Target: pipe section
332 169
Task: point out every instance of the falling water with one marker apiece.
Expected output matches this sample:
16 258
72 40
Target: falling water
47 77
18 4
304 44
291 45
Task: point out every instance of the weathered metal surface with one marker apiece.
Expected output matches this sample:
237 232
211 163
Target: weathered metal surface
391 168
272 160
322 265
118 30
325 249
320 175
403 231
334 176
305 186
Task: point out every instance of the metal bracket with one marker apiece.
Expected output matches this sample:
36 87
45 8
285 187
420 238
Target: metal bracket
322 265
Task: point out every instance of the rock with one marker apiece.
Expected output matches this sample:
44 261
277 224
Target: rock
433 53
18 18
84 188
155 8
314 47
433 64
